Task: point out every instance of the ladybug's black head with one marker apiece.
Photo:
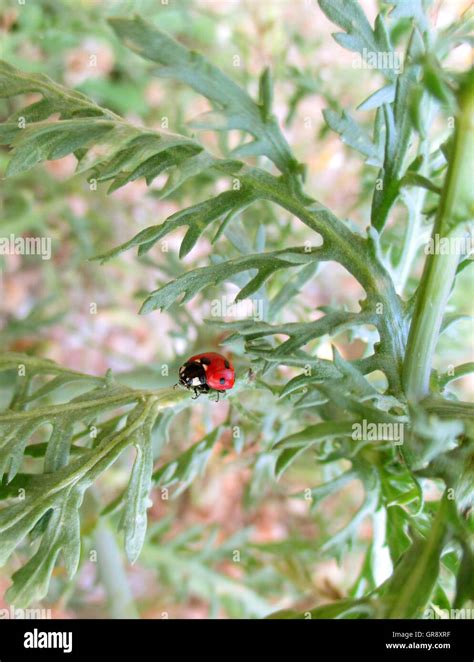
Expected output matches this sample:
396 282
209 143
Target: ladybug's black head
192 375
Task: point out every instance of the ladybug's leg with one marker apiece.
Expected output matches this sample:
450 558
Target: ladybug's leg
215 395
196 394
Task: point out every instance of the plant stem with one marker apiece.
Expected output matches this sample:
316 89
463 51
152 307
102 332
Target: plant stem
415 199
410 242
440 269
353 252
449 408
458 372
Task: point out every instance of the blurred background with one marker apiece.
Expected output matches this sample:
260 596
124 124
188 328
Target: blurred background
85 315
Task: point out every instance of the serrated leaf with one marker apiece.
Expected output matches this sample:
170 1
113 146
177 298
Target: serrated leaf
326 489
415 9
353 135
231 101
53 140
62 534
370 479
300 333
57 453
290 447
194 281
196 217
358 35
187 466
48 510
106 146
57 99
290 289
15 434
134 520
419 567
398 135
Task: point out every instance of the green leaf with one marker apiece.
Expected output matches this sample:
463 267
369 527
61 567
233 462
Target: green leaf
194 281
300 333
455 467
290 289
326 489
465 577
385 94
62 534
53 140
398 540
398 134
15 435
436 82
108 148
415 179
196 217
430 437
182 564
134 520
455 373
49 506
58 449
348 608
61 491
415 9
358 35
353 135
290 447
146 155
266 93
370 480
18 424
456 33
187 466
419 567
449 319
57 99
236 109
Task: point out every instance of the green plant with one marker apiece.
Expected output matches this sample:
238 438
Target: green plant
423 538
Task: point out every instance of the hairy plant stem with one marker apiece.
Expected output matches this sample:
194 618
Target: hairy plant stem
440 269
360 256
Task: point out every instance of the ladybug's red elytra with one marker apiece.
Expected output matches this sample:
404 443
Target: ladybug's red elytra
207 372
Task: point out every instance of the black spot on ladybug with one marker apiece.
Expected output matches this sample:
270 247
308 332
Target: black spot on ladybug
222 380
205 361
227 365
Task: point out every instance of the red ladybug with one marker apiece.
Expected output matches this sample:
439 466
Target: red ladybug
207 372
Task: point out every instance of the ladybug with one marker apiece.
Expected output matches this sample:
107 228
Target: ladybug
207 372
